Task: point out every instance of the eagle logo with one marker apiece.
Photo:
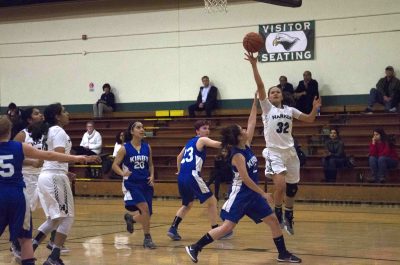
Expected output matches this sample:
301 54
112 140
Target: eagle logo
285 40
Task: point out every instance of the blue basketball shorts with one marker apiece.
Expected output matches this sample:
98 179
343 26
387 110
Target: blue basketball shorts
15 212
137 193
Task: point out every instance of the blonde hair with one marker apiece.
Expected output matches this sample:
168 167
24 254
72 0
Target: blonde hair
5 126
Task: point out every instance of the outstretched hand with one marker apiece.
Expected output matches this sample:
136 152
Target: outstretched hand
317 103
250 57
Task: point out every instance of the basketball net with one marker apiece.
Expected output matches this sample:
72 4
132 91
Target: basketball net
214 6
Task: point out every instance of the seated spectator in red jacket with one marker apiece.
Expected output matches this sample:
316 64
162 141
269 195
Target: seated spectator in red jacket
305 93
206 100
382 156
387 92
287 91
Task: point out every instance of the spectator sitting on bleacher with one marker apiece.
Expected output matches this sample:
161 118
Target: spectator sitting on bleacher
106 103
305 93
382 156
287 91
119 141
387 92
336 157
91 141
222 171
206 100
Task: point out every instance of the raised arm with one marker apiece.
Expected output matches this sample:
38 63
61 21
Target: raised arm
311 117
251 123
260 84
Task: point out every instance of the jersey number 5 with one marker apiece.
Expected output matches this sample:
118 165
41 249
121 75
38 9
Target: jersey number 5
6 169
282 127
188 155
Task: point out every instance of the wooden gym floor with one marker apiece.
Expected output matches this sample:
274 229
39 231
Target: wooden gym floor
325 234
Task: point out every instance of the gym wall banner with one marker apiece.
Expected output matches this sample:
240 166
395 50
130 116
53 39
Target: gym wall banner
293 41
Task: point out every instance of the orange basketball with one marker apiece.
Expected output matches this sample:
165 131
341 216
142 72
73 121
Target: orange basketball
253 42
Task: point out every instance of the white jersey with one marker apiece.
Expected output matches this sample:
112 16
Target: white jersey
278 124
29 170
57 137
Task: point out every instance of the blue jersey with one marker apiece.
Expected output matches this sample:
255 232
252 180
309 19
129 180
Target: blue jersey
137 161
251 167
192 160
11 158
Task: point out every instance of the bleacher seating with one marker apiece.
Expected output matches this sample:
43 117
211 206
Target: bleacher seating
167 136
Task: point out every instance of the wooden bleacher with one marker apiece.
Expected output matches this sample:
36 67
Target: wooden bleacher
169 134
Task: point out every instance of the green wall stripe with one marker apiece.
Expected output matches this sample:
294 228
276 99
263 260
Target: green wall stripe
224 104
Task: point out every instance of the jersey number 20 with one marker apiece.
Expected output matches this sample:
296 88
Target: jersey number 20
282 127
188 155
6 169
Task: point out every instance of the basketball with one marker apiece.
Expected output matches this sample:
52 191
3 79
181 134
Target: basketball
253 42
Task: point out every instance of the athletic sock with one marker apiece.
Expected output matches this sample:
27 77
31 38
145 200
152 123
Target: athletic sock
147 236
289 213
55 253
278 212
38 238
176 222
280 245
204 241
28 261
53 235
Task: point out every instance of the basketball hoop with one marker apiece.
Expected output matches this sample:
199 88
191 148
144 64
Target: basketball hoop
214 6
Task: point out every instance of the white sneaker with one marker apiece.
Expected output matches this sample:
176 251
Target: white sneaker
63 250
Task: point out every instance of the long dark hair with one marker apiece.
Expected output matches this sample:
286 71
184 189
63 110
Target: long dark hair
128 135
385 138
118 137
50 119
230 136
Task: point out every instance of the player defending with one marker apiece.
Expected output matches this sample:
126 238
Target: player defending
137 161
246 198
191 185
282 163
14 203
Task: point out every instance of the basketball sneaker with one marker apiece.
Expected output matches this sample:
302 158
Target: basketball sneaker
173 234
148 243
129 222
50 261
193 252
63 249
288 257
15 251
288 225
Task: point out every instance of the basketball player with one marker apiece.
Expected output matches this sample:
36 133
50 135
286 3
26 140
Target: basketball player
31 167
282 163
138 172
14 203
246 198
191 185
54 188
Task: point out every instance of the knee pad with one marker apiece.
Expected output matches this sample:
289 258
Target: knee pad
65 225
49 226
291 189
